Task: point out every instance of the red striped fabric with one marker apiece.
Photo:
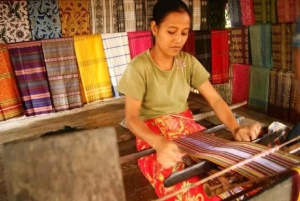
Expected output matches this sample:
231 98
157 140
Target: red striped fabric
189 45
240 83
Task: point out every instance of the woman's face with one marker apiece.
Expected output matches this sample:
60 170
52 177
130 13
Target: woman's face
172 33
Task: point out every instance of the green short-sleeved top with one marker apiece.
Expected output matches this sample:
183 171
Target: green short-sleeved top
162 92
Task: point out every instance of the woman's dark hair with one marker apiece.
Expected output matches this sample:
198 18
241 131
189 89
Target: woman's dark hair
163 7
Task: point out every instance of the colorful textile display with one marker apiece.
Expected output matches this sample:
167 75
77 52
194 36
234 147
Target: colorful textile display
259 87
129 13
216 13
149 12
117 54
10 101
63 75
44 19
294 114
280 94
93 68
140 12
240 83
220 56
234 11
139 42
189 45
203 48
265 11
239 45
104 18
261 45
247 11
74 17
282 37
14 27
121 17
29 66
286 10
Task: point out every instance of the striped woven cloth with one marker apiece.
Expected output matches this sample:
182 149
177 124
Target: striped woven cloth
10 100
62 73
227 153
203 48
282 37
139 42
116 50
140 13
129 14
265 11
96 84
149 12
104 17
28 62
239 45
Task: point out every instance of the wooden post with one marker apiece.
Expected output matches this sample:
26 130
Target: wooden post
79 166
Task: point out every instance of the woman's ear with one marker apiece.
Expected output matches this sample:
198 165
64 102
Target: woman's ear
153 27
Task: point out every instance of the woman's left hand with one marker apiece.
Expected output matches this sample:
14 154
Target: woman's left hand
247 133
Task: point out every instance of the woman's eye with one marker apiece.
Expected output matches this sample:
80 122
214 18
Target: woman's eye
184 34
170 32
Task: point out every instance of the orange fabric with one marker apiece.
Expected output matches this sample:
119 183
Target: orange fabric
172 127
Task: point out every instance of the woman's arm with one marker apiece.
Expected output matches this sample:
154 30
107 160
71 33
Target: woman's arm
168 154
225 115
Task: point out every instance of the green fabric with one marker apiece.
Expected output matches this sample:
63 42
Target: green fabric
259 88
161 92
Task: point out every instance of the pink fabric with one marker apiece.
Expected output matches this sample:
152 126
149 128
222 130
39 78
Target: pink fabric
247 9
139 42
240 83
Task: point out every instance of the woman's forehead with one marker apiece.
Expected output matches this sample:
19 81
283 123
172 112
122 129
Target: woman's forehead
176 19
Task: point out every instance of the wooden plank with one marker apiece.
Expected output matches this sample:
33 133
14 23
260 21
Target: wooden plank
78 166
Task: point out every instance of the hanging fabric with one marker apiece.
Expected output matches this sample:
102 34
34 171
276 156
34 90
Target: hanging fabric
225 91
10 101
265 11
240 83
63 75
286 11
117 54
259 87
196 14
216 13
129 13
261 45
279 94
239 45
29 66
234 11
149 12
121 16
15 25
247 11
204 14
93 69
104 16
203 48
44 19
220 56
139 42
74 17
140 12
282 36
189 45
294 114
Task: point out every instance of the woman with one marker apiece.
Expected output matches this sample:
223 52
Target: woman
156 85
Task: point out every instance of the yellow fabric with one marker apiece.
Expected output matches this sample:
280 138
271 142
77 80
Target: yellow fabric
297 169
92 67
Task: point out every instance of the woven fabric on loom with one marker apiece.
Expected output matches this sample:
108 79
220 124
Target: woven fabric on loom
14 17
227 153
93 68
279 94
44 19
140 12
103 17
247 11
294 115
239 45
203 48
117 54
74 17
286 11
10 101
225 91
282 36
63 75
259 87
139 42
240 83
216 13
261 45
220 56
129 14
196 14
189 45
29 66
149 8
234 11
265 11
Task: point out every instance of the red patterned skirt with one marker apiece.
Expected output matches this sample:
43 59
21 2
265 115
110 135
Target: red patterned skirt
171 127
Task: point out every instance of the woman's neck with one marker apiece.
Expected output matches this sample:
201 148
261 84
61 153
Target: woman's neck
163 61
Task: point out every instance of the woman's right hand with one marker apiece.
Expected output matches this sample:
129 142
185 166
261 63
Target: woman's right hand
167 152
